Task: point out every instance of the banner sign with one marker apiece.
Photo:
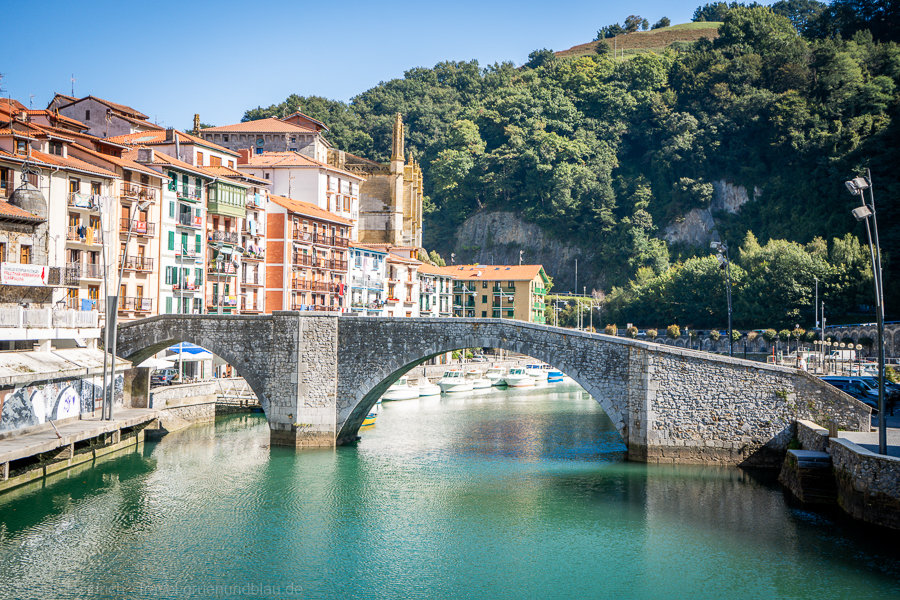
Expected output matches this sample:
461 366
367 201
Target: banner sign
17 274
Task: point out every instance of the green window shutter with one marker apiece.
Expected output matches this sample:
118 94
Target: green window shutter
169 305
198 241
198 276
186 181
197 212
171 210
184 241
171 240
168 275
173 185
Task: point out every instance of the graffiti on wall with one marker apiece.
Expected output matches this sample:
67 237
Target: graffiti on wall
43 401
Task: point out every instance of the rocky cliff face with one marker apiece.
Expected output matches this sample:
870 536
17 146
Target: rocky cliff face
497 238
697 226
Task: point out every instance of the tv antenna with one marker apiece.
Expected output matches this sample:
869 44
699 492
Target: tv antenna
73 85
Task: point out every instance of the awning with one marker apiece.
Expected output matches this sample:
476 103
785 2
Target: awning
157 363
187 348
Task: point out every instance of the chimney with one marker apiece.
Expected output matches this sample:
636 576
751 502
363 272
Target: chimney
145 155
243 157
170 134
22 116
196 130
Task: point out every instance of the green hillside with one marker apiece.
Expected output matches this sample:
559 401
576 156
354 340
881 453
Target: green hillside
655 40
603 155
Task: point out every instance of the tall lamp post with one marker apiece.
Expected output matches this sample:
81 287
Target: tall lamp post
865 212
112 307
725 264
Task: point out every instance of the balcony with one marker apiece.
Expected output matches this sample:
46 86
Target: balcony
261 255
328 287
75 271
141 228
137 263
191 193
136 304
251 306
187 253
251 278
82 201
83 235
137 191
320 239
18 323
503 290
187 287
226 237
219 300
254 201
186 219
316 307
309 260
220 269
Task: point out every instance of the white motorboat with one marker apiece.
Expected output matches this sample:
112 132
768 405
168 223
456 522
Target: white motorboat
495 374
537 371
454 381
426 388
401 390
517 377
479 381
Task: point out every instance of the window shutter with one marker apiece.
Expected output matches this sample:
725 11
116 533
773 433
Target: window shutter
168 275
171 240
169 305
198 241
171 210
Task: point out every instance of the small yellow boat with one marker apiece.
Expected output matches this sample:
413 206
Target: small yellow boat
370 419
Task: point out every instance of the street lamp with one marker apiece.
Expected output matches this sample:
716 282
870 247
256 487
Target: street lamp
864 212
725 264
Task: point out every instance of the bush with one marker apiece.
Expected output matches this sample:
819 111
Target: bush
455 355
631 332
610 330
769 335
736 335
652 333
714 335
784 335
752 335
469 354
799 333
811 336
664 22
673 331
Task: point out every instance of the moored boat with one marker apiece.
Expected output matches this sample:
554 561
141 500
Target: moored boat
537 371
495 374
426 388
370 419
479 381
553 375
401 390
517 377
454 381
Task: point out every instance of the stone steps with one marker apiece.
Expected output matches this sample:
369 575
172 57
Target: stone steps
809 476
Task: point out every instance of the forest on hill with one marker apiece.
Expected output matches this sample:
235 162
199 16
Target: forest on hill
605 153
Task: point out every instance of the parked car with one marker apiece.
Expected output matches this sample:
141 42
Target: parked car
479 358
855 388
163 376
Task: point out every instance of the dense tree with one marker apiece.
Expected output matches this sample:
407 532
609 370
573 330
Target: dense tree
664 22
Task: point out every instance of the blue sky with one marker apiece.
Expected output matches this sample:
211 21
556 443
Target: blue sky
171 59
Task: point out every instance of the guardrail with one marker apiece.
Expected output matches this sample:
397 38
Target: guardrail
47 318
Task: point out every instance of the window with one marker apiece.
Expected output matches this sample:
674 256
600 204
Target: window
260 151
25 255
224 137
215 161
230 164
20 147
484 299
5 188
87 115
171 210
511 285
74 186
267 175
198 240
2 252
169 305
171 240
484 284
95 188
199 159
93 292
484 314
56 148
347 203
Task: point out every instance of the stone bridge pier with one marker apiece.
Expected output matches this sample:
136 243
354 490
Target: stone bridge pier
317 375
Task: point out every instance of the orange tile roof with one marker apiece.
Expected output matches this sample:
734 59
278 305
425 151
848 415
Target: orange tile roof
148 138
308 209
297 113
124 163
163 159
497 272
403 261
223 171
59 161
130 112
429 269
10 211
53 116
78 136
390 246
293 160
269 125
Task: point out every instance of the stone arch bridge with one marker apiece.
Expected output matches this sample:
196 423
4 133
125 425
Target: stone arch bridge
318 375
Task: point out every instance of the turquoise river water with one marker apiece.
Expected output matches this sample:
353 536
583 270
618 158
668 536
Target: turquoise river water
494 495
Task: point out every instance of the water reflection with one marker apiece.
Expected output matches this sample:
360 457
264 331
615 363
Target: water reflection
497 495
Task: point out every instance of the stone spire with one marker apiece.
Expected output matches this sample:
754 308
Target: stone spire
397 151
196 130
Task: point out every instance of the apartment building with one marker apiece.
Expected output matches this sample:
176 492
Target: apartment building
295 133
101 118
296 176
368 280
306 258
435 291
500 291
402 286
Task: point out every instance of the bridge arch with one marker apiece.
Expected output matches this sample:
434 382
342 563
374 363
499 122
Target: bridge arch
141 340
566 351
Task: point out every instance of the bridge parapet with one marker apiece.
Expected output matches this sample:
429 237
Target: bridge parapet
317 375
